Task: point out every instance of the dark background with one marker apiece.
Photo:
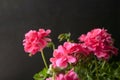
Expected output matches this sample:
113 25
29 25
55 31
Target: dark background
76 16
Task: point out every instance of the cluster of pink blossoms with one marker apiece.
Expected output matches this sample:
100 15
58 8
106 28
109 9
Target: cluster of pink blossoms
70 75
36 40
65 54
98 42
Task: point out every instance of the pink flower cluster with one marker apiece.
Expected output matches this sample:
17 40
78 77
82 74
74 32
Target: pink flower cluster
36 40
98 42
70 75
65 54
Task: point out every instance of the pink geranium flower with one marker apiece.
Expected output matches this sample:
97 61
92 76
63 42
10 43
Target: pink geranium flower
36 40
99 42
62 58
70 75
49 78
66 54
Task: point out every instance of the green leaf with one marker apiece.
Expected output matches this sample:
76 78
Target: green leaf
64 36
41 75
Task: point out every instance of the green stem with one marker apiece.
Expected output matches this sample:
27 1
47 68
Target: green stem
43 57
68 40
53 46
53 78
103 64
96 69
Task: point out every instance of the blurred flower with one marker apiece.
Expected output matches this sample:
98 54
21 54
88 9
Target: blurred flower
49 78
70 75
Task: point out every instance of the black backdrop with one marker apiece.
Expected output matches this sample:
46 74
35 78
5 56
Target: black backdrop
75 16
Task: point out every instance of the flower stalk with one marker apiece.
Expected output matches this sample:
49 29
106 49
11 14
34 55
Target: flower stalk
44 60
96 69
